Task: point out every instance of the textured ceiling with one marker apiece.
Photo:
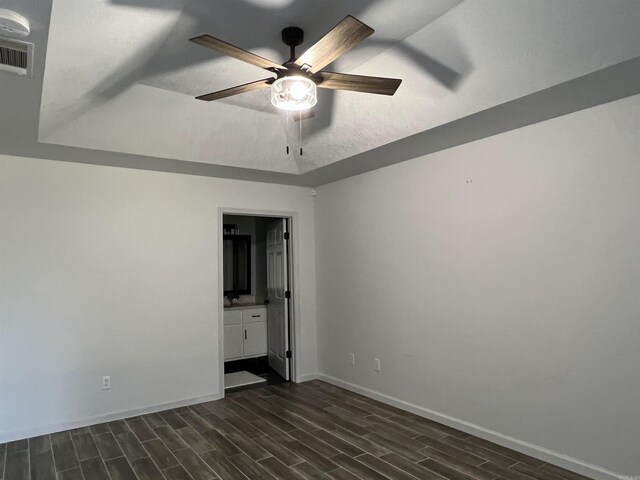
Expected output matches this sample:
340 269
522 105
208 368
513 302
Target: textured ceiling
140 72
132 86
120 76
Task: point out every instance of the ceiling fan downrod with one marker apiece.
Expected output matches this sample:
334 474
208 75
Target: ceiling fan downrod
292 36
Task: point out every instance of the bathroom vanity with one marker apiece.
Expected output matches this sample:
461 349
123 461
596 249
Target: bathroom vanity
245 331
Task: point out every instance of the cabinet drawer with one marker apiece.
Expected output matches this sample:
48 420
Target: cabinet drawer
232 317
253 315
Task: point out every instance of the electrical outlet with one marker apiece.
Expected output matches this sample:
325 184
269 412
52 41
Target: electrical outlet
377 364
106 382
352 358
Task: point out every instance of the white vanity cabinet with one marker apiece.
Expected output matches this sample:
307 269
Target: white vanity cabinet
245 332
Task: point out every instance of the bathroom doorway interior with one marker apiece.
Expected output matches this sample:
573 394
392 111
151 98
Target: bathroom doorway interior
257 314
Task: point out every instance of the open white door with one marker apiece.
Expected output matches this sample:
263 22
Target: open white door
278 306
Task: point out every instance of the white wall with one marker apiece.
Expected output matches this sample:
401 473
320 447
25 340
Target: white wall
499 283
108 271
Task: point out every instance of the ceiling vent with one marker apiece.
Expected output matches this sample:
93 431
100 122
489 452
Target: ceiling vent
16 56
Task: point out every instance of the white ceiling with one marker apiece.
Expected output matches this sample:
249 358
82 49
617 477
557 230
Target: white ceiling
120 75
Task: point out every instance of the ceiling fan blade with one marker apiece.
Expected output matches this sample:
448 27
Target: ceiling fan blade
358 83
339 40
225 48
247 87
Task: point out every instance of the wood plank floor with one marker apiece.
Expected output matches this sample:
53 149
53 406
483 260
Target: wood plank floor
290 431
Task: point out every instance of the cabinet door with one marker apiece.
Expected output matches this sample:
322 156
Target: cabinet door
233 338
255 339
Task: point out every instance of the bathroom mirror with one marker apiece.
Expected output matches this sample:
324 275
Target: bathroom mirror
237 264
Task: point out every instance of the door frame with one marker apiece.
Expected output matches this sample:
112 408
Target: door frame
294 302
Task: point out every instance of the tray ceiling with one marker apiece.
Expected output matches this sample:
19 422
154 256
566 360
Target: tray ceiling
120 77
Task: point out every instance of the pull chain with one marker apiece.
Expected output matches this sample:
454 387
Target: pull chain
300 122
286 128
287 123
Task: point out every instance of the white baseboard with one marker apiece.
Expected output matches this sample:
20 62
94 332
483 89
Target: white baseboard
108 417
536 451
308 377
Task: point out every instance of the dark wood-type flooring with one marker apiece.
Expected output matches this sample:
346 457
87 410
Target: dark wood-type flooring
289 431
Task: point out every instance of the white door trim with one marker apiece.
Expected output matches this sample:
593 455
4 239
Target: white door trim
294 311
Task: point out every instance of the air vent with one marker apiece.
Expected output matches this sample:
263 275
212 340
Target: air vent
16 56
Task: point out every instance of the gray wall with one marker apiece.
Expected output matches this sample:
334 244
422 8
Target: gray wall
499 284
112 271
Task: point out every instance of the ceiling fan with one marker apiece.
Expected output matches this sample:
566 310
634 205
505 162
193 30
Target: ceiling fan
294 86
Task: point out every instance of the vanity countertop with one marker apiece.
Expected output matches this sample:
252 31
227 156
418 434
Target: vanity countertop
241 306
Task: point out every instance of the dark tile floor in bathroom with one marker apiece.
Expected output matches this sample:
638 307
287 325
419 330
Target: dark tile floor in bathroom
312 430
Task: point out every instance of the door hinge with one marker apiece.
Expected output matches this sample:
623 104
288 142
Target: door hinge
266 302
289 354
287 294
286 236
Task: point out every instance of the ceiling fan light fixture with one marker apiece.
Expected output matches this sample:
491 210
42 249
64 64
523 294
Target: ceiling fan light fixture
294 92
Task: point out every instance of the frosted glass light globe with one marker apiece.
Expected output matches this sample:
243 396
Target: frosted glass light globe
293 93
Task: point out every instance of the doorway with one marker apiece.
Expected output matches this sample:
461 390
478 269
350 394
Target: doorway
257 300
